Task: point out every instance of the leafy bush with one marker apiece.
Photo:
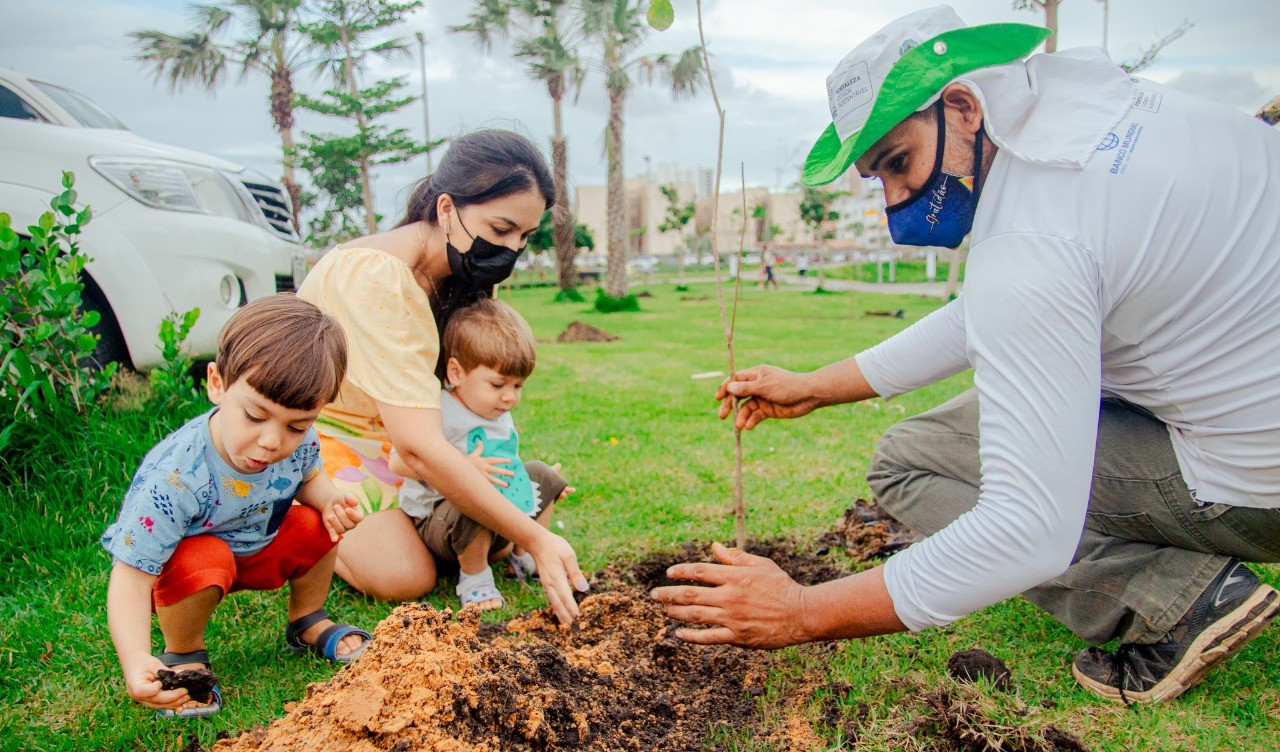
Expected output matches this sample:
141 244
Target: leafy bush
608 304
570 295
45 340
172 382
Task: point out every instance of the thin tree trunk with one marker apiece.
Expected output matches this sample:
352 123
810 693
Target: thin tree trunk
366 186
953 274
615 284
282 114
1051 22
561 214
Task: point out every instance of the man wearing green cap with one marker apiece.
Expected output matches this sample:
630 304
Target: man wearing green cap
1119 456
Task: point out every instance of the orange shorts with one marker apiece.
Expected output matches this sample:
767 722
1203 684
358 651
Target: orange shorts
204 561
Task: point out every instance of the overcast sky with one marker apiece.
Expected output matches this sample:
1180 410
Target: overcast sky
772 59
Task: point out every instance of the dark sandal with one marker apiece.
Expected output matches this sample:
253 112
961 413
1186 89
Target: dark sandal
326 645
215 694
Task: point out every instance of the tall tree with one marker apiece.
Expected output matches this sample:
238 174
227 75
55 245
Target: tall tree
339 163
267 43
618 27
344 34
545 35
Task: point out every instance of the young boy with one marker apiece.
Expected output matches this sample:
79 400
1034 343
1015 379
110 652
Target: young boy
211 509
491 353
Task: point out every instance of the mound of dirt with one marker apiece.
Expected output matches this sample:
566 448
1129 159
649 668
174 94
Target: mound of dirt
972 665
580 332
432 680
866 531
805 567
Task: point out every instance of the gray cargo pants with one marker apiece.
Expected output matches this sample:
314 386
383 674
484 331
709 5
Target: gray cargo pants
1148 550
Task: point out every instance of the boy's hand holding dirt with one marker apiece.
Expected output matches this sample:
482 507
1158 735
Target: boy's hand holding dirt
145 689
340 515
488 466
753 602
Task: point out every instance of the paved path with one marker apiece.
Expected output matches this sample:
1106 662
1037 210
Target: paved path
932 289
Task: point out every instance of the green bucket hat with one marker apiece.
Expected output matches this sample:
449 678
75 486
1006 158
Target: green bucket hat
893 74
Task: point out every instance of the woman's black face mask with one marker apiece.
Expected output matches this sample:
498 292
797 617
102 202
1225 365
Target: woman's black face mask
482 267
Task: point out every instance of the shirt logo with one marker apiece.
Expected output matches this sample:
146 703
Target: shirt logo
907 44
1109 142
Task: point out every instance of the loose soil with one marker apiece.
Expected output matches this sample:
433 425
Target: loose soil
619 680
580 332
866 531
972 665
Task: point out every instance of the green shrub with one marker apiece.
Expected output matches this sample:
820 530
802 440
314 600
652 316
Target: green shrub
45 340
607 304
172 382
570 295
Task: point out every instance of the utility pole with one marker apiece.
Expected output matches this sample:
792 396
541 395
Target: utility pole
648 188
426 111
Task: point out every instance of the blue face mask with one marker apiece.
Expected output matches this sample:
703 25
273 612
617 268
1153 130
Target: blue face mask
941 213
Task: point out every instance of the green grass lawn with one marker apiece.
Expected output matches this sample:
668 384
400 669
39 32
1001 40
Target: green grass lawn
638 438
906 271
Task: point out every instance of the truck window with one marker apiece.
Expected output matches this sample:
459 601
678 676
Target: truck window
14 107
81 107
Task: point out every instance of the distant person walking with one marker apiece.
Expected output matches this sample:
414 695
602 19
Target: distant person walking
802 265
767 262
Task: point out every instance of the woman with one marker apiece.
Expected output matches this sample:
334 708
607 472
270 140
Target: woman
462 232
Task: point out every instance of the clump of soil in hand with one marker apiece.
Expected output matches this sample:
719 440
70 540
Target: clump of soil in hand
580 332
866 531
199 682
618 679
971 665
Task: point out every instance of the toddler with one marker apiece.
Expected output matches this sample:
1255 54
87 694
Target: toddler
211 509
491 352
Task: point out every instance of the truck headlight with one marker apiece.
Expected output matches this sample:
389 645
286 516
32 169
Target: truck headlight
175 186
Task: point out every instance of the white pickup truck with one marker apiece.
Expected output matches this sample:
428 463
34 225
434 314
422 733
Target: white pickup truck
172 229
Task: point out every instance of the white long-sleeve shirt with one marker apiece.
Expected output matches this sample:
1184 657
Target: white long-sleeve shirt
1153 272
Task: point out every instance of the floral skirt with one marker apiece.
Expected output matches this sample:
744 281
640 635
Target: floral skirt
359 467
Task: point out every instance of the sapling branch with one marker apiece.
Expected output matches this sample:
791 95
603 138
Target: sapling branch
740 511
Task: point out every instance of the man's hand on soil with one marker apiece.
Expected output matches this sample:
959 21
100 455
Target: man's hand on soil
557 568
753 602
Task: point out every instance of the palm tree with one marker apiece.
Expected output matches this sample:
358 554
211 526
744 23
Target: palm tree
546 34
196 57
618 27
342 35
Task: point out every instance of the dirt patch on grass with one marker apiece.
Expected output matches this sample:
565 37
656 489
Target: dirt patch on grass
866 532
580 332
618 680
945 717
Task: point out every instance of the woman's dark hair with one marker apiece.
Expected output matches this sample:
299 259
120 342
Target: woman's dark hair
479 167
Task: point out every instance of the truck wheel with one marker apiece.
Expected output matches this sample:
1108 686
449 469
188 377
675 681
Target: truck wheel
111 347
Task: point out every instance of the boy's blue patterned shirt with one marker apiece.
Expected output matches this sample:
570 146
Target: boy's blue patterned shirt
184 488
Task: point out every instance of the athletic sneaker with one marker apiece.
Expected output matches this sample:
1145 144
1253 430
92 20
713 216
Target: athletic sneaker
1232 611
